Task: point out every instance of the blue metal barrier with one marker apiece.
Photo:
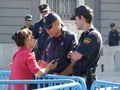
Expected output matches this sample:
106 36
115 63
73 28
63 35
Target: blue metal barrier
4 74
44 83
106 85
49 77
75 78
70 86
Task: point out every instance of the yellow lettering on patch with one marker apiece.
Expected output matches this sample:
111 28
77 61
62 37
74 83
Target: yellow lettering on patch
40 28
44 20
87 40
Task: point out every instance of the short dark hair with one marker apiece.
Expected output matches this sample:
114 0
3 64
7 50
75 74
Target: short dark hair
86 12
112 24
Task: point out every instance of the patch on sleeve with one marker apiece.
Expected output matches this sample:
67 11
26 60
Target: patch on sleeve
73 42
40 28
44 20
87 40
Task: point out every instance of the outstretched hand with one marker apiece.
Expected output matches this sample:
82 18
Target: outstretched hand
42 64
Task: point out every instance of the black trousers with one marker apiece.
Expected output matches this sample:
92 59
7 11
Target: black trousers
89 75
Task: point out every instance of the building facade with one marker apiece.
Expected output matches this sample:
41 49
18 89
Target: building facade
12 13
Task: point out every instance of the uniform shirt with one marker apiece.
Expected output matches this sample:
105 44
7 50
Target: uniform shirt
40 34
89 46
57 48
113 38
31 27
24 66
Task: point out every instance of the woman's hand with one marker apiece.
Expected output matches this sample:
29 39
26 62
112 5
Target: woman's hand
50 66
10 65
42 64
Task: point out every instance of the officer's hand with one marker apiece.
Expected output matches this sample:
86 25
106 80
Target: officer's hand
52 65
69 54
73 61
75 56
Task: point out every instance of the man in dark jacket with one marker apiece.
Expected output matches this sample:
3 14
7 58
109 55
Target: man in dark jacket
28 22
39 32
89 48
114 36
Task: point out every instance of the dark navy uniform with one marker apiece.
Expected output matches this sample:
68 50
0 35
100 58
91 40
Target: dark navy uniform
90 45
41 35
31 27
113 38
57 48
28 17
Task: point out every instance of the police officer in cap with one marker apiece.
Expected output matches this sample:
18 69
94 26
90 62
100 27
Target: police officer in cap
89 48
114 36
39 32
28 22
40 35
58 44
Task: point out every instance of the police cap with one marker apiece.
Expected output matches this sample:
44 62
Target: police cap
82 10
43 8
28 17
112 24
49 19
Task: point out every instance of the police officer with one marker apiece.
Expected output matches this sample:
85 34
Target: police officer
28 22
39 33
114 36
58 44
89 47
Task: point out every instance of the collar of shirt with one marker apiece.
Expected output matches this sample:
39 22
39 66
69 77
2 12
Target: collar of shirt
60 38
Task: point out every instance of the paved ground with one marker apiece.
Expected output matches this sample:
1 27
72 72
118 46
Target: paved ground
109 76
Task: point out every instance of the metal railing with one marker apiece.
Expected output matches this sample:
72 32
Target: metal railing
70 86
57 81
75 78
105 85
4 74
45 81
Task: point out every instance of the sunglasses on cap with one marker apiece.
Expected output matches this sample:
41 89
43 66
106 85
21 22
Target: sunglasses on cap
44 12
29 20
